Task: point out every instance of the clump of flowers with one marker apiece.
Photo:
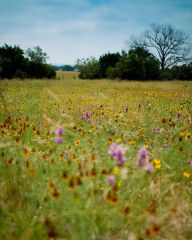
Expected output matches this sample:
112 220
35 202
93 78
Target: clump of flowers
118 153
142 160
189 161
166 145
59 133
156 130
178 116
111 180
86 116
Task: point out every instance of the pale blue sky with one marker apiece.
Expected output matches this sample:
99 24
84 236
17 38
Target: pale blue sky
71 29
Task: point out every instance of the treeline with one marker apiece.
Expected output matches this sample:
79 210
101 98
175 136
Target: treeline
172 58
64 68
137 64
17 63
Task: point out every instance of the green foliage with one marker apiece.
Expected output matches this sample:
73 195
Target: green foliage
183 72
67 68
89 68
138 64
11 59
107 60
51 191
112 72
36 55
13 63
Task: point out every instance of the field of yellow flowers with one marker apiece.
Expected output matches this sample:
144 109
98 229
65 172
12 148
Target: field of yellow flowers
95 160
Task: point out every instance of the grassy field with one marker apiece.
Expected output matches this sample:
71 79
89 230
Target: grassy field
67 75
95 160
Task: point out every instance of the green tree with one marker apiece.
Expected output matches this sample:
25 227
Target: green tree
89 68
183 72
137 64
108 60
36 55
11 60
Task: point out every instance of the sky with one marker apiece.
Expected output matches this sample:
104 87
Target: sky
70 29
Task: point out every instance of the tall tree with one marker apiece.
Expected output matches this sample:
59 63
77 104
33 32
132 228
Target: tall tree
36 55
11 61
137 64
108 60
172 46
89 68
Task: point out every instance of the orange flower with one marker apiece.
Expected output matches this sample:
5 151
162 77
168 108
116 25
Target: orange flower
77 142
25 153
187 174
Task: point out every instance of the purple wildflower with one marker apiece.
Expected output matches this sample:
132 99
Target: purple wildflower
59 131
189 161
166 145
67 155
142 159
58 139
118 153
139 105
86 116
111 180
149 168
156 130
120 158
178 116
37 123
113 149
126 109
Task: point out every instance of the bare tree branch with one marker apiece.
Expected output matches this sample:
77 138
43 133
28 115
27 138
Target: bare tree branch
171 45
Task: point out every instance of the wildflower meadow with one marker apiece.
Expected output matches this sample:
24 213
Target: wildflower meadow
95 160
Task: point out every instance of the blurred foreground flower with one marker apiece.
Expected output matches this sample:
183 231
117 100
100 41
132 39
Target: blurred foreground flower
118 153
59 133
149 168
111 180
142 160
58 139
189 161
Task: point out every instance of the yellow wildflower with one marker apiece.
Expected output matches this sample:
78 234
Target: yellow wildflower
116 170
186 174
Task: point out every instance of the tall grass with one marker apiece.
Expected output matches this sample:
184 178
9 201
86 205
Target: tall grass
51 190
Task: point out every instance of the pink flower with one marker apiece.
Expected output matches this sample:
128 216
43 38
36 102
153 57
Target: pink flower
119 158
118 153
189 161
149 168
58 139
166 145
67 155
59 131
142 159
111 180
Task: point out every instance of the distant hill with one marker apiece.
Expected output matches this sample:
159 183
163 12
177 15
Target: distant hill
64 68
